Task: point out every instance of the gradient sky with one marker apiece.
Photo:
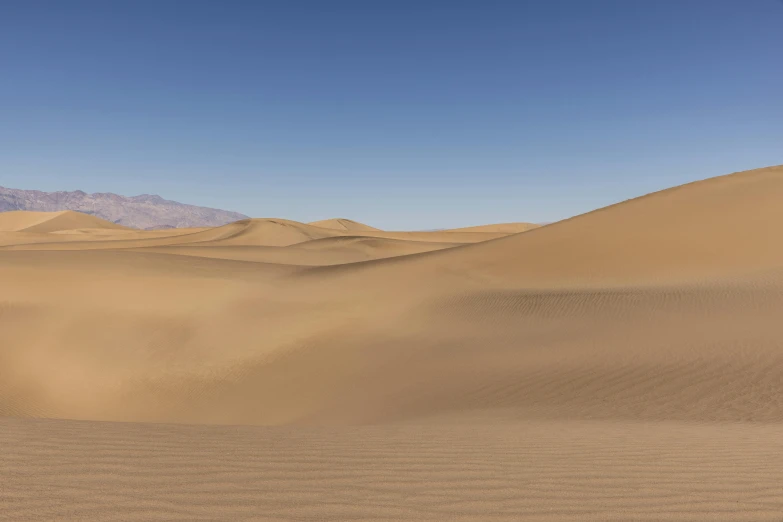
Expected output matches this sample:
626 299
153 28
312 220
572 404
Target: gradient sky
401 114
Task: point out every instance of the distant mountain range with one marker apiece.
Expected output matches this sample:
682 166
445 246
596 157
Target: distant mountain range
144 212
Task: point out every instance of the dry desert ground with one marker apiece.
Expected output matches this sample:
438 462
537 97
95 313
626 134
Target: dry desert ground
625 364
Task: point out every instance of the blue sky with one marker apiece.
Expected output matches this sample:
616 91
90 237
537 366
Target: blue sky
402 114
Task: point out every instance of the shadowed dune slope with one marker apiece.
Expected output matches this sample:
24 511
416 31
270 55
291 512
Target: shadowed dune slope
662 308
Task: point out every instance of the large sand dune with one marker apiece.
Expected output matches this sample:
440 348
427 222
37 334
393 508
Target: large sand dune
624 364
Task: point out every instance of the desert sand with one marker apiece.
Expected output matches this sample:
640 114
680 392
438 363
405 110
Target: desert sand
624 364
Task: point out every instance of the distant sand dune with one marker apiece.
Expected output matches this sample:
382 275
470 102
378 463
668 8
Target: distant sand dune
507 228
257 233
343 224
46 222
317 252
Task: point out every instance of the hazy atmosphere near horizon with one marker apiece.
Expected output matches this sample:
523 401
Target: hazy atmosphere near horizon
398 114
327 261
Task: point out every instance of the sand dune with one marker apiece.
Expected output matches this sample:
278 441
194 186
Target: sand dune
273 232
46 222
317 252
250 239
343 224
623 364
247 232
507 228
721 227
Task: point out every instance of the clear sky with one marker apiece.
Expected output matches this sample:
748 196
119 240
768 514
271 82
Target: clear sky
401 114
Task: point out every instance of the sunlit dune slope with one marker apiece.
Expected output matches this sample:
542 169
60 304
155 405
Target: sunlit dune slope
717 228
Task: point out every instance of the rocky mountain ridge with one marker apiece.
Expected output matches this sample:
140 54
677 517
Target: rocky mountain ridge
146 211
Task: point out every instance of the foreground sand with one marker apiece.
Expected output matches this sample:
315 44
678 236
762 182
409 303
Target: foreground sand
70 470
625 364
